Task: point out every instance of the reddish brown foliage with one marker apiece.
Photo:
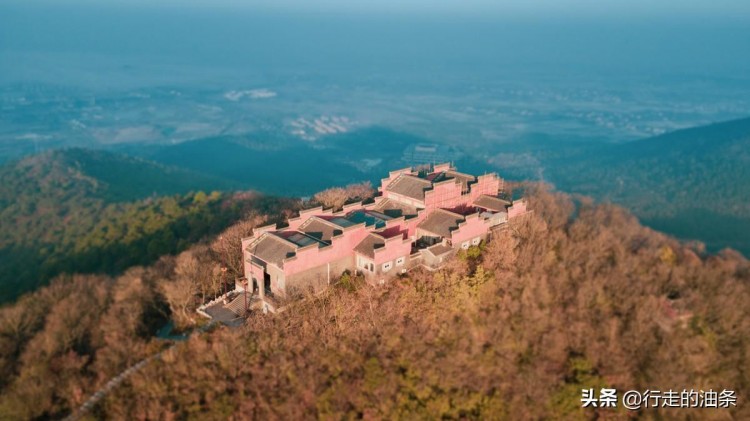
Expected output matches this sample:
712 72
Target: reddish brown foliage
555 305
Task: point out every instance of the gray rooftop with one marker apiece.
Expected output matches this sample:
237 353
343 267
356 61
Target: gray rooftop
320 229
395 209
409 186
439 249
340 221
272 249
369 244
369 217
464 179
299 238
441 222
491 203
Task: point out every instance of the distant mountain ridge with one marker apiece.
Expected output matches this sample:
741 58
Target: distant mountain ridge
79 210
290 166
717 135
107 175
693 183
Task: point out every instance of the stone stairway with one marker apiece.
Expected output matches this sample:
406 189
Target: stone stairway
237 305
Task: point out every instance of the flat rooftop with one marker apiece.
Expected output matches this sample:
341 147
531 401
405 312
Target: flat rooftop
369 217
299 238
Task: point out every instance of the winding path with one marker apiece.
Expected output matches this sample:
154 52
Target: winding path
117 380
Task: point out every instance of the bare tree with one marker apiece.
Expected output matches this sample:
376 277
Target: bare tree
360 191
181 291
334 197
227 247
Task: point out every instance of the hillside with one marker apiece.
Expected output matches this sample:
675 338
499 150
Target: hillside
693 183
699 168
577 296
108 176
82 210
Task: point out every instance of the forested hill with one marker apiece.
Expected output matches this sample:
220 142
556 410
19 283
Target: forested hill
713 139
693 183
81 210
86 173
575 296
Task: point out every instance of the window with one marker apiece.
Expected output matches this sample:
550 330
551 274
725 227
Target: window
476 241
387 266
364 264
400 261
465 245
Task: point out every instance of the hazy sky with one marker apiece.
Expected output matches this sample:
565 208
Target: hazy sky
355 39
731 9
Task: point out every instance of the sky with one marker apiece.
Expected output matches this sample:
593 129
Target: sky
703 9
513 7
346 39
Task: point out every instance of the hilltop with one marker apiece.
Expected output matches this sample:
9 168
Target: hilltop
576 296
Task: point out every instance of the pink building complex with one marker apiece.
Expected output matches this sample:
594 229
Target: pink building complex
418 218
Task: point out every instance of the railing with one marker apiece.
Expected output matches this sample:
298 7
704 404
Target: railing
202 309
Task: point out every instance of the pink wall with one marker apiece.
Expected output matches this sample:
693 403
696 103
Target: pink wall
311 256
256 271
488 184
393 228
411 224
351 207
246 256
403 199
304 215
394 247
445 194
473 227
407 226
445 166
517 209
257 232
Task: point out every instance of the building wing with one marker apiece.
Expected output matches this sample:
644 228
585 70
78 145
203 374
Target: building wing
320 229
272 249
368 246
491 203
410 186
441 222
395 209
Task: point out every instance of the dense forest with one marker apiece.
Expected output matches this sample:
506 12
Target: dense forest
578 295
90 211
693 183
